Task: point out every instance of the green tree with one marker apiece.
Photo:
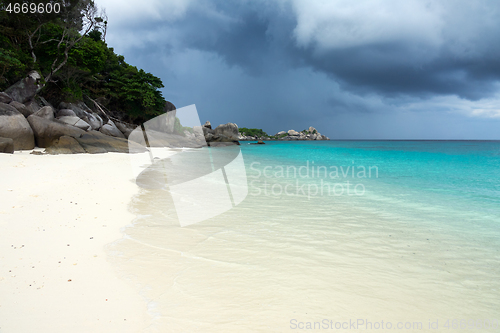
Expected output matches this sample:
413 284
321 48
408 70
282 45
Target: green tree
135 91
9 60
252 131
61 31
70 51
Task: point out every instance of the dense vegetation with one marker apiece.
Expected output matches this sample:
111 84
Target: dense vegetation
69 50
252 132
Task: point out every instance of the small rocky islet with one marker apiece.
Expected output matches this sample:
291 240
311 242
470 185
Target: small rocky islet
307 135
27 121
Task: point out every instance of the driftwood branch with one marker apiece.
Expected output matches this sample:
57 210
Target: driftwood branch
98 106
30 41
101 109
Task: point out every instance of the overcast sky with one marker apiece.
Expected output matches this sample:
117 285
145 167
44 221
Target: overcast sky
364 69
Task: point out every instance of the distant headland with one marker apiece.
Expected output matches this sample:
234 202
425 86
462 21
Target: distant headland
251 134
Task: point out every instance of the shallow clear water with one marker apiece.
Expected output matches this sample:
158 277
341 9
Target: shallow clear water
417 240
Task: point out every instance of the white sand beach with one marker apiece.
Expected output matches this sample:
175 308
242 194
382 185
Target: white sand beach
57 213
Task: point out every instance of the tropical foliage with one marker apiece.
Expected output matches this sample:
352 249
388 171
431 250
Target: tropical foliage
69 50
252 132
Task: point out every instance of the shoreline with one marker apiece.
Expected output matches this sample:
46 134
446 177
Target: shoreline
58 214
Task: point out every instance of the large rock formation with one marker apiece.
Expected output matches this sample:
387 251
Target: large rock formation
32 107
161 139
207 124
4 98
81 110
13 125
96 143
229 130
207 131
125 128
93 142
95 121
168 107
25 89
65 145
110 129
46 112
224 133
66 113
48 131
21 108
6 145
74 121
77 108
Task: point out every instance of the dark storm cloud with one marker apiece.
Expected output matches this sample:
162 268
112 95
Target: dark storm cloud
372 69
260 37
252 37
353 69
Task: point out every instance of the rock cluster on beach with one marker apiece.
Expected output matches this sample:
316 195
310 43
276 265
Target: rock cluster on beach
310 134
28 121
6 145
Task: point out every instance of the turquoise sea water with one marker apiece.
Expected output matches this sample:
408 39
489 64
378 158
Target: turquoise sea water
415 240
461 178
